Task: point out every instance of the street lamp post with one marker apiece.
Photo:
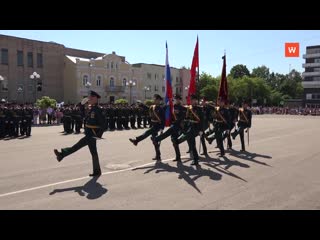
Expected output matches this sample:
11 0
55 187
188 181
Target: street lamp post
35 76
130 84
145 92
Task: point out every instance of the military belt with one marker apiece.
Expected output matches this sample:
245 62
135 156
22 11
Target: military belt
91 126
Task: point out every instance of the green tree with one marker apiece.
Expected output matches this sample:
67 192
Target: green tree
121 101
46 102
239 71
261 72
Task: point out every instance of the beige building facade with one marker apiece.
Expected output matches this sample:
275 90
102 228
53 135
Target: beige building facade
153 80
20 58
67 74
109 75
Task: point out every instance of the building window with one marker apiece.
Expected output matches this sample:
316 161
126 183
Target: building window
316 69
163 88
180 80
30 59
163 77
177 79
155 76
19 58
4 56
99 81
155 88
84 80
177 90
317 60
149 75
112 82
39 60
124 82
111 65
116 65
107 65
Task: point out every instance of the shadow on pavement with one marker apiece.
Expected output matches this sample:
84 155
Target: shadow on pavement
185 172
93 189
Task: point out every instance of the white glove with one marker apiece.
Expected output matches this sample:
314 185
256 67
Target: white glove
161 131
200 133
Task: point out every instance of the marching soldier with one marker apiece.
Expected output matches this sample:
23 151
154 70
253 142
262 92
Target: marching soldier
245 116
94 128
192 128
175 129
221 125
157 119
233 117
205 125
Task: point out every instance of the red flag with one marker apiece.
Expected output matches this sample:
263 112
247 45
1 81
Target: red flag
193 72
223 89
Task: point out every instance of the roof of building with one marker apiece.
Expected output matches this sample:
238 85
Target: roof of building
74 59
152 64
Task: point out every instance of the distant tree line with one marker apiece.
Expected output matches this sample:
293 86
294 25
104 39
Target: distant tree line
267 88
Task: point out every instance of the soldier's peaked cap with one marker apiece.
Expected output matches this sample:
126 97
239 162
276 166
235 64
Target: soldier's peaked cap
157 96
94 94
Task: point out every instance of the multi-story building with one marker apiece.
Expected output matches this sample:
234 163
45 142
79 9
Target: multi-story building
153 80
67 74
311 76
20 58
109 75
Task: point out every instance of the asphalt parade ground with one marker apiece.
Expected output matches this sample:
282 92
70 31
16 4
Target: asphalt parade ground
280 170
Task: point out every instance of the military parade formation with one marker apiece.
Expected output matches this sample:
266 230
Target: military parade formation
211 121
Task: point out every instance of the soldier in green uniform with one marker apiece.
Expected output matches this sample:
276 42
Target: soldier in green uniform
193 127
233 118
221 125
158 121
94 128
175 130
245 117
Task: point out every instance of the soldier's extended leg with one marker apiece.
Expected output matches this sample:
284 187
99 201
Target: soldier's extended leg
220 142
143 136
193 149
28 128
156 146
204 147
241 133
92 144
174 137
69 150
164 135
229 140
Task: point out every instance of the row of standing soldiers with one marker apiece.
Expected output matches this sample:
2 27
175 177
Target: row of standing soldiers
117 117
194 120
15 120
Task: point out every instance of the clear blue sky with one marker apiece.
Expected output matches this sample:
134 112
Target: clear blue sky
252 48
